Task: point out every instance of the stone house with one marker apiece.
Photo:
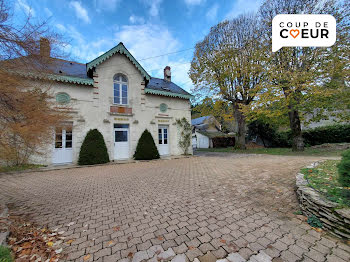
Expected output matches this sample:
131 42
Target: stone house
114 94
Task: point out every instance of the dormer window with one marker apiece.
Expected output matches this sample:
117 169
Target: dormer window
120 90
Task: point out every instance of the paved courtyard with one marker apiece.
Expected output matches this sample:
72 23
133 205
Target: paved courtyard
222 203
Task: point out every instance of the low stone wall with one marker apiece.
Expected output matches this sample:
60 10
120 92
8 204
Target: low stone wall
333 218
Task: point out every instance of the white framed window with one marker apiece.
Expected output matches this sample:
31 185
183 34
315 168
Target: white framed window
120 89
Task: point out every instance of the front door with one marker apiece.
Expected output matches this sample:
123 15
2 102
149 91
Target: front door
163 140
121 141
62 152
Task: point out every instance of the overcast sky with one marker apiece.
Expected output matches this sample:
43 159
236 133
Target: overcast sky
147 28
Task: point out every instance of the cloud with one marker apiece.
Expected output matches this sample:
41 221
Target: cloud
194 2
153 5
23 5
106 5
151 40
212 12
136 19
243 6
61 27
80 11
48 11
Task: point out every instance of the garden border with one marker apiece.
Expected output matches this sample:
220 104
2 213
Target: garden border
335 219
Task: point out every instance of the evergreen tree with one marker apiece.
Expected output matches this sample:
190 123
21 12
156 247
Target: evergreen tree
93 150
146 148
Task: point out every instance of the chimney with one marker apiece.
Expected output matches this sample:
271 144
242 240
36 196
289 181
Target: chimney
167 74
45 48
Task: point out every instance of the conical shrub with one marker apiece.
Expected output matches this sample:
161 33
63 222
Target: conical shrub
146 148
93 150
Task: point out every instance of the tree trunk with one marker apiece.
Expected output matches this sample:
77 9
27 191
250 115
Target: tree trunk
294 121
240 127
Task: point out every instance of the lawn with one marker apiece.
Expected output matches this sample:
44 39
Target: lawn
309 151
324 178
5 254
18 168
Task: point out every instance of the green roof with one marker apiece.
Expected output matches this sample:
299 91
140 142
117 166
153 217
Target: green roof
72 80
166 93
120 48
60 78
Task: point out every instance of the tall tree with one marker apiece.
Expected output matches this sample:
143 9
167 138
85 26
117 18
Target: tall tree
228 64
305 83
218 108
27 116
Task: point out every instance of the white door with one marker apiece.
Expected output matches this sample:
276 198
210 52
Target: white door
163 140
63 152
121 141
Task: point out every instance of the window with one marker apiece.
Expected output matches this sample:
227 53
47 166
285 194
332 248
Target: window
120 90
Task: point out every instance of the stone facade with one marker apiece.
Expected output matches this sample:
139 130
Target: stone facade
333 218
91 106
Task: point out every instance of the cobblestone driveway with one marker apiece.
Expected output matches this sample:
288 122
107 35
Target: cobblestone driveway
219 203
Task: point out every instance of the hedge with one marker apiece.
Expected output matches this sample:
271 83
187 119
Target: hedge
223 141
344 169
327 134
315 136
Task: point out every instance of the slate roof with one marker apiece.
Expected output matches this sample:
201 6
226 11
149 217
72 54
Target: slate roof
78 73
199 120
68 68
161 86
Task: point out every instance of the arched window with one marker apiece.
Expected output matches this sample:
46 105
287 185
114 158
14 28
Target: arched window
120 90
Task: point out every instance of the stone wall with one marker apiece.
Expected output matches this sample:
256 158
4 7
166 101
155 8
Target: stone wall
333 218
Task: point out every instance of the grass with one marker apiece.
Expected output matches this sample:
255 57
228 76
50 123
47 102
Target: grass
324 178
5 254
309 151
18 168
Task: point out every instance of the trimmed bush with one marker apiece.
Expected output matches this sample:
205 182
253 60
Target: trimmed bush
327 134
146 148
344 169
93 150
223 141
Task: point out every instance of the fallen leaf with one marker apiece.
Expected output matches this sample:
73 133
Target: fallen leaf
223 241
116 228
160 238
50 243
70 241
26 245
110 242
190 247
87 257
130 254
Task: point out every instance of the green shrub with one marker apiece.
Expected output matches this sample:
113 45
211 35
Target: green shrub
5 254
315 136
327 134
314 221
93 150
146 148
344 169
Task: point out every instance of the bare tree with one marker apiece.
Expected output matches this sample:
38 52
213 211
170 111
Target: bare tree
27 116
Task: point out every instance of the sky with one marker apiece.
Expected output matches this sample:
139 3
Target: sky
164 31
